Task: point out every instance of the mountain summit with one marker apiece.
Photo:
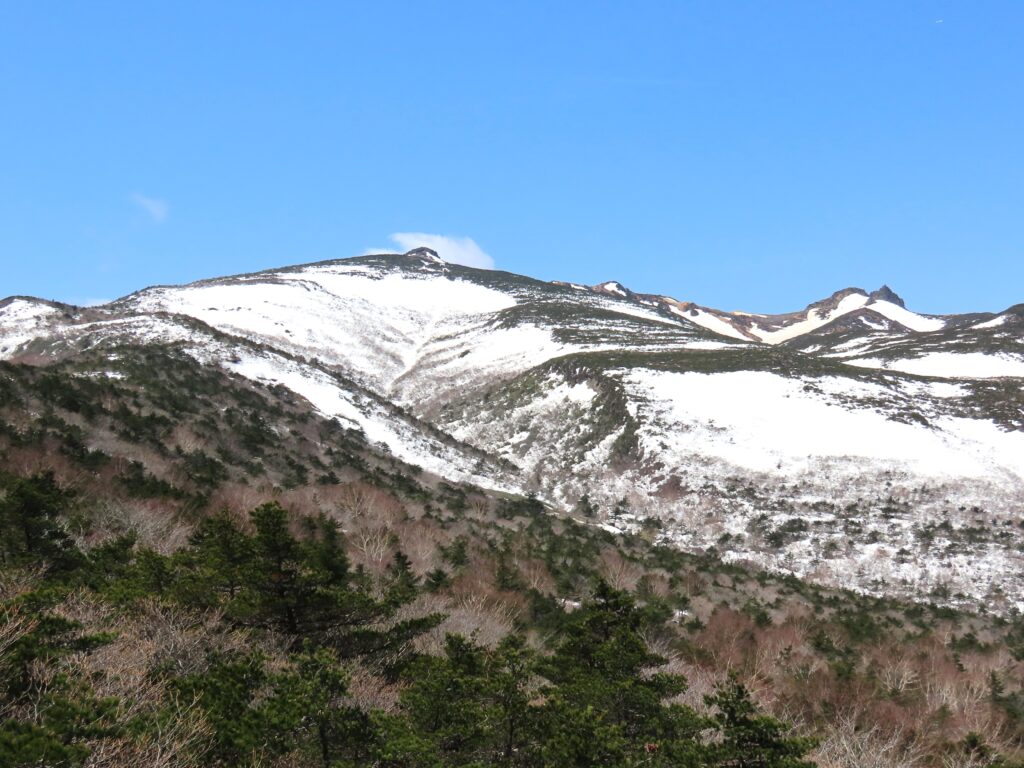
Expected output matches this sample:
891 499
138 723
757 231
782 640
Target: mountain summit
425 254
885 293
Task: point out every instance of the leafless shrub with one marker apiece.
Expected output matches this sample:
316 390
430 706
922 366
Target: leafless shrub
965 761
728 637
537 576
373 543
700 682
240 499
362 501
179 741
154 523
484 619
369 692
845 745
618 571
16 582
419 539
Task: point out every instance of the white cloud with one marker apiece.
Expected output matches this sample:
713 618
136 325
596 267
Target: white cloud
90 302
457 250
157 209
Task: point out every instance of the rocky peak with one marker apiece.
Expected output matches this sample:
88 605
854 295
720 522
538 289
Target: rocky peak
424 254
613 288
885 293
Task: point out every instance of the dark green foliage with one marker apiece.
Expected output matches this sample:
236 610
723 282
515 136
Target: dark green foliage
456 554
309 698
403 582
231 691
437 580
32 679
751 739
203 470
31 530
600 702
141 484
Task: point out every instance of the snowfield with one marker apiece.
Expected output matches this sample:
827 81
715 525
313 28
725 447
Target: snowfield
375 326
764 422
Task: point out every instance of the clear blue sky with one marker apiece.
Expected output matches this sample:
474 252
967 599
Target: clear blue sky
740 154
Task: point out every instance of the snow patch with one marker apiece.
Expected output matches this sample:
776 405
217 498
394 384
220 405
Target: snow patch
613 287
21 321
993 323
713 323
814 320
769 423
905 317
950 365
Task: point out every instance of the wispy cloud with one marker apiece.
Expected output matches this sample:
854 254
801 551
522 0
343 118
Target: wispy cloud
457 250
156 209
89 302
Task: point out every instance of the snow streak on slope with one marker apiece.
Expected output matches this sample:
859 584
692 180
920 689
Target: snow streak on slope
330 394
623 395
860 468
815 319
995 322
950 365
708 320
905 317
380 426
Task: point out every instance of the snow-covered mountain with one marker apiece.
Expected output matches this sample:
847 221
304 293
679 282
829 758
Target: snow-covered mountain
852 442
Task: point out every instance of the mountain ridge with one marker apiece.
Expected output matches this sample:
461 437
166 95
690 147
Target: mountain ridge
729 428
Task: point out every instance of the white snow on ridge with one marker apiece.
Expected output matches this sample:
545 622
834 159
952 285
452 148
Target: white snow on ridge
373 324
993 323
949 365
768 423
614 287
905 317
622 308
330 397
707 320
21 321
814 320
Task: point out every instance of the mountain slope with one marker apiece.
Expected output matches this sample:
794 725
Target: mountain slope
853 442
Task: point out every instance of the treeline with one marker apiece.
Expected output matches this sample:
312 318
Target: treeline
282 625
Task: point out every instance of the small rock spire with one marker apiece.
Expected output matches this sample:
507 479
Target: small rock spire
885 293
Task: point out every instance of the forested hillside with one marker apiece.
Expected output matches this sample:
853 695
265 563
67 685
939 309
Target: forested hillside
198 569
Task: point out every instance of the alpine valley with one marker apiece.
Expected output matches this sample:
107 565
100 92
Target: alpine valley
854 443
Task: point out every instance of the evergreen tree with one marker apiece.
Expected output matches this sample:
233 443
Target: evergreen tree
311 697
602 690
30 527
750 739
404 583
221 554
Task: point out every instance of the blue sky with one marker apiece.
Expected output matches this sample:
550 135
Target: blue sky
740 154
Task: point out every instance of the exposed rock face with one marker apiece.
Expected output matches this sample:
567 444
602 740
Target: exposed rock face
885 293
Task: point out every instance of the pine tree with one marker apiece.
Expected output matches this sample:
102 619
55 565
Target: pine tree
30 528
750 739
603 694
